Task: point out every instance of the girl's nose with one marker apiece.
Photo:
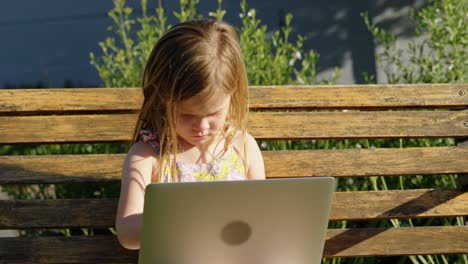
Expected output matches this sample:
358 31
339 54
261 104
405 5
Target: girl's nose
202 124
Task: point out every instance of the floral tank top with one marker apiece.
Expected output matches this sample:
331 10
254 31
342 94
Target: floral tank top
227 167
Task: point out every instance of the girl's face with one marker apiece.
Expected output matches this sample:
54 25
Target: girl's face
200 120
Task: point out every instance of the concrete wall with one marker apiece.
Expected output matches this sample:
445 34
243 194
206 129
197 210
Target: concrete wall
49 41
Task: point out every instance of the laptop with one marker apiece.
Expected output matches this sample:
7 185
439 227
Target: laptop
273 221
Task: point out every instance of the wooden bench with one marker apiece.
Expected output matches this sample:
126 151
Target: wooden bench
107 115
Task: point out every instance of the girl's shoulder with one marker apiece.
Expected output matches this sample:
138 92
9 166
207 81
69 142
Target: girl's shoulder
141 157
147 147
142 148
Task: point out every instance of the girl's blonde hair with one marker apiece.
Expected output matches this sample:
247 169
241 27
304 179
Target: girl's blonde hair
199 57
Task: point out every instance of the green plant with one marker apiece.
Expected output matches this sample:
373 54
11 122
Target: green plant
272 60
440 53
269 60
123 60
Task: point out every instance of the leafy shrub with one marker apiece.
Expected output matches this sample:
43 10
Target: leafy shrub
440 52
269 60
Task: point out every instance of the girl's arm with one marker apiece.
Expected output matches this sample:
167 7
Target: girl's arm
256 169
136 174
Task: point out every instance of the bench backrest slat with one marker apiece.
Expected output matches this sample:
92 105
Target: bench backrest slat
315 125
396 241
359 96
74 249
269 97
351 206
340 243
36 101
301 163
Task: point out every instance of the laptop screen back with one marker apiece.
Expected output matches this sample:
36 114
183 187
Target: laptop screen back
259 222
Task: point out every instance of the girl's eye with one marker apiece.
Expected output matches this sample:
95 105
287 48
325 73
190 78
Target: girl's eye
190 116
187 116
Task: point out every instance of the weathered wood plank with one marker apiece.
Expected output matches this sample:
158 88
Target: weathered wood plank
429 240
339 243
60 213
299 163
419 203
262 125
75 99
366 162
66 169
75 249
372 205
261 97
69 129
373 124
359 96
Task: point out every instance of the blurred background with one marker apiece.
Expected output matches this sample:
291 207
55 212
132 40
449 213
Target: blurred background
47 43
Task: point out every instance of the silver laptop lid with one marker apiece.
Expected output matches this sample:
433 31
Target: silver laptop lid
259 222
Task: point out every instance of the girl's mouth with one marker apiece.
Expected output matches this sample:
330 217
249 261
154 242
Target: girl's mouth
200 136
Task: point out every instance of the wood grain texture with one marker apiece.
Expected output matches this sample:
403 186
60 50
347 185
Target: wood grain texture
261 97
72 128
59 213
429 240
75 99
359 96
66 169
363 205
299 163
366 162
370 124
75 249
339 243
419 203
262 125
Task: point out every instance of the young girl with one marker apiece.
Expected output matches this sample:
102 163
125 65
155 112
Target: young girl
192 125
